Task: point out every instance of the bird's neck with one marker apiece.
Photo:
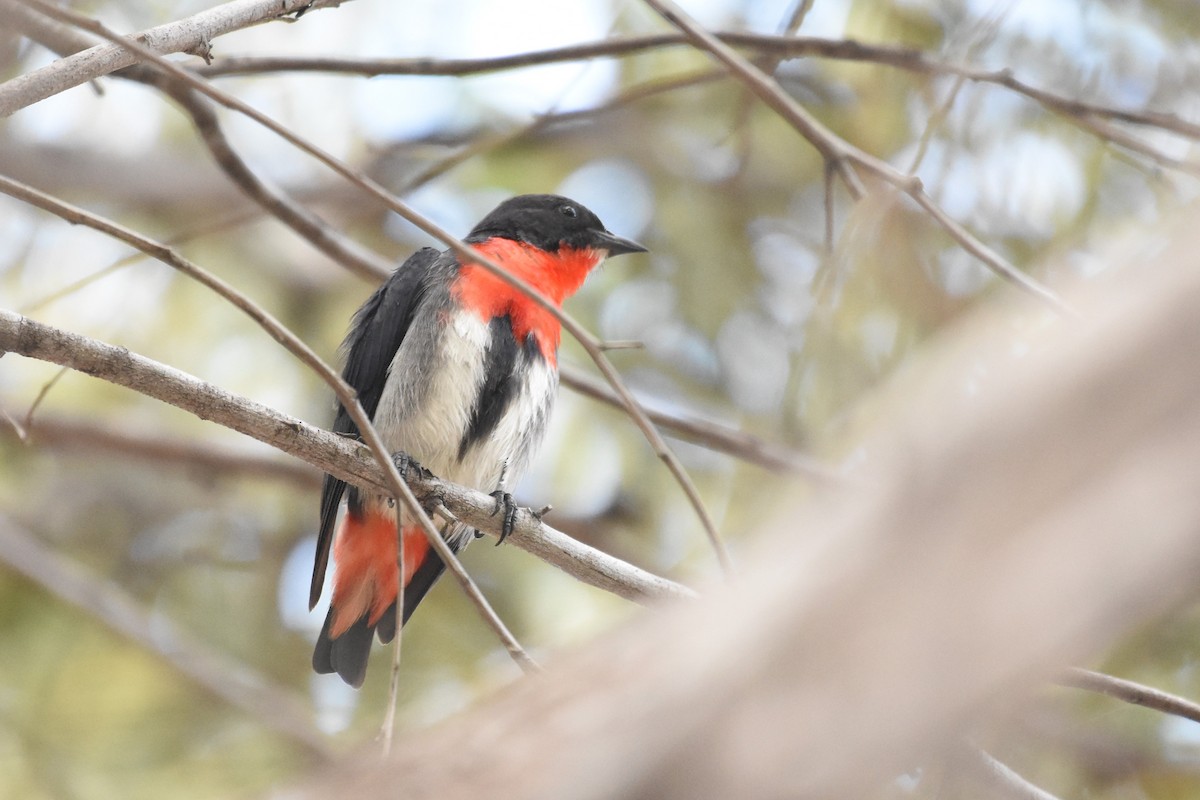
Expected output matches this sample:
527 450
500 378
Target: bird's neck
556 275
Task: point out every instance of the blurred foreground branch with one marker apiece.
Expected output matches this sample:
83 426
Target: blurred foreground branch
995 536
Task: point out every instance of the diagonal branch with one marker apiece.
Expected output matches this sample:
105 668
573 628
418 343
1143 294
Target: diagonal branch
192 35
357 259
841 154
721 438
1131 692
344 458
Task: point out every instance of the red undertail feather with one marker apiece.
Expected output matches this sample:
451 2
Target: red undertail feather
366 578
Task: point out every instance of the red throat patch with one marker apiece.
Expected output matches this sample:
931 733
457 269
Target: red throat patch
556 275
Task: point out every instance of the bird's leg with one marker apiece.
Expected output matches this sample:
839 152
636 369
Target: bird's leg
504 500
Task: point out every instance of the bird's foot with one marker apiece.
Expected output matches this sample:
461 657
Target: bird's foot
504 501
408 466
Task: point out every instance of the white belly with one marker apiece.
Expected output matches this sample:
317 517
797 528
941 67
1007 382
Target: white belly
429 421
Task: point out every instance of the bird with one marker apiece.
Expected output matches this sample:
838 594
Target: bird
458 371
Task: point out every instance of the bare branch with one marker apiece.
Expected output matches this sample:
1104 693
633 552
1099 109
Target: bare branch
343 250
344 458
72 435
841 154
997 776
191 35
216 673
711 435
604 572
778 47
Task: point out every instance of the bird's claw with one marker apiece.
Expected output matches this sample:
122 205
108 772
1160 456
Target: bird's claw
407 466
504 501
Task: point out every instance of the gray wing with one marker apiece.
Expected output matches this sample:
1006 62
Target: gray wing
375 335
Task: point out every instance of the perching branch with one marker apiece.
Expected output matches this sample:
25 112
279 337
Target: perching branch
345 458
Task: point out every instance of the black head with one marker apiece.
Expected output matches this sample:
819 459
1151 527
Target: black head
548 222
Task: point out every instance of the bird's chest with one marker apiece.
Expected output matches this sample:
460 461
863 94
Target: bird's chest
437 396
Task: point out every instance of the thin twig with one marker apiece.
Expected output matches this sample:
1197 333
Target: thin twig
1111 133
711 435
621 344
387 729
485 144
843 155
830 208
1131 692
343 250
465 251
17 429
998 776
780 47
205 229
27 423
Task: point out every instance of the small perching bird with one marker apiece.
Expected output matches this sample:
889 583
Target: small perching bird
458 371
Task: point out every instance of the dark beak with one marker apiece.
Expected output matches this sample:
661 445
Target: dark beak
615 245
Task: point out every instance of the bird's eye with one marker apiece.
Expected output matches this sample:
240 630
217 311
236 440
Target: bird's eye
568 211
